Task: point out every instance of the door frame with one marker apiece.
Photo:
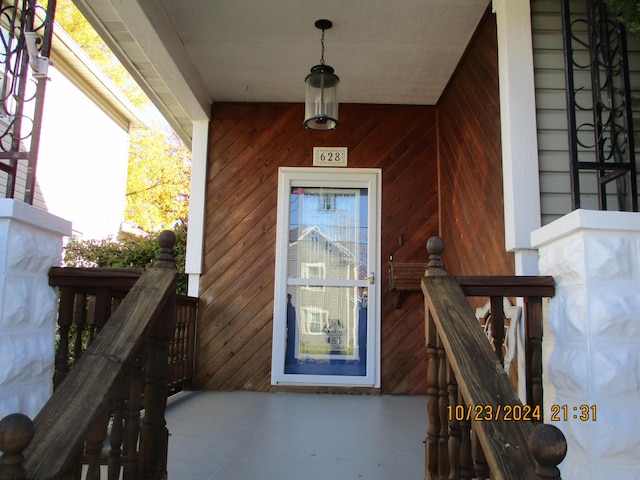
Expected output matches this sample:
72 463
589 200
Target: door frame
370 178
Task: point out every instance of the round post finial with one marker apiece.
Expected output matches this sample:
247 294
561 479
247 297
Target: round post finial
548 446
166 240
16 433
435 267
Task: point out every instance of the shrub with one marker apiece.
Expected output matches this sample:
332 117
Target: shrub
628 13
129 251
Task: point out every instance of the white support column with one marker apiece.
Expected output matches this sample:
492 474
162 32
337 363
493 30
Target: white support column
30 244
197 198
518 126
591 345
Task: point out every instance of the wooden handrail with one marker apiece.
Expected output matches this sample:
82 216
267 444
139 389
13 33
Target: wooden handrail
104 382
90 278
477 424
507 286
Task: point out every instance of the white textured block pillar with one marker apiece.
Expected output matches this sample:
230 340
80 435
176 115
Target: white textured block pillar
591 345
30 243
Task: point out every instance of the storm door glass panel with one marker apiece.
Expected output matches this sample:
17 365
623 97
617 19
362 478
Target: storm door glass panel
326 325
327 263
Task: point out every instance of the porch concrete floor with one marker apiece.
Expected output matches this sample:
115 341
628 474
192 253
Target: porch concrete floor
287 436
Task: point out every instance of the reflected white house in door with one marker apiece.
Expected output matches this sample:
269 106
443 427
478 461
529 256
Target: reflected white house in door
324 331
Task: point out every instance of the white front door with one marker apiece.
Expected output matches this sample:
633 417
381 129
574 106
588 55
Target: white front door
326 327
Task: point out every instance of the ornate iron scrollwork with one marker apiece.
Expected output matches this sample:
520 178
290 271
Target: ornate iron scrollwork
21 92
600 120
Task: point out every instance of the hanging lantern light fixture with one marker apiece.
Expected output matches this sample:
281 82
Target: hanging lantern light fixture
321 104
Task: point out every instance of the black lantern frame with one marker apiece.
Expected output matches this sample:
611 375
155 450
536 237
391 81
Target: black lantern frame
321 101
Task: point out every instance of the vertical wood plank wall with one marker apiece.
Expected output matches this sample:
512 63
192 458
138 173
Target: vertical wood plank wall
471 162
250 141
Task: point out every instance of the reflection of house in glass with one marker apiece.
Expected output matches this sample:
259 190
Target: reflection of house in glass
327 316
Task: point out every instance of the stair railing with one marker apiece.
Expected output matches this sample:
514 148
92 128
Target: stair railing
478 428
105 388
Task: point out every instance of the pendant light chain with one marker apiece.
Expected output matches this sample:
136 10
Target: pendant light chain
322 44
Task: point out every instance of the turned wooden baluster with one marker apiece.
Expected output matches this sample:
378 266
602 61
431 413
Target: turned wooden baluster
435 247
132 423
533 347
117 432
16 433
93 445
431 444
443 403
466 462
154 436
497 326
65 319
454 429
183 342
102 310
548 446
178 348
81 324
479 461
174 350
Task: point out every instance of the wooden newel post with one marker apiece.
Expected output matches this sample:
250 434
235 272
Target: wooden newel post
16 433
436 448
548 446
154 436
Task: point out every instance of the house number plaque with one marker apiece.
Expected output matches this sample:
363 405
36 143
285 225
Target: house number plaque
329 156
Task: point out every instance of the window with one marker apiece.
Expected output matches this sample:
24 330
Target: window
327 202
314 320
314 271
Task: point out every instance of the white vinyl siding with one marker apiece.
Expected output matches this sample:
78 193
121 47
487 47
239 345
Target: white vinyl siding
21 181
551 112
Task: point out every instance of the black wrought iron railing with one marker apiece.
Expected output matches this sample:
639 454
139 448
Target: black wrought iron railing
599 108
25 34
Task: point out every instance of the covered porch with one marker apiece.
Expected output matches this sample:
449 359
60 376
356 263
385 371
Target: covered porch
111 412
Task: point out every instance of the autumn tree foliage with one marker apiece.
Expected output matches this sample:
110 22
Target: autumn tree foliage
78 28
158 179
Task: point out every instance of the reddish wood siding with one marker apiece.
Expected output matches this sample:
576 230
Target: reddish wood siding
471 163
248 144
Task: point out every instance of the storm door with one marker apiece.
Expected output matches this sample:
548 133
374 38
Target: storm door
326 325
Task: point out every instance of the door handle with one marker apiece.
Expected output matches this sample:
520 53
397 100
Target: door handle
371 278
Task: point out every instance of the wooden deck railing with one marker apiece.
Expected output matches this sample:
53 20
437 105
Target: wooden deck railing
87 298
103 388
532 291
407 277
478 428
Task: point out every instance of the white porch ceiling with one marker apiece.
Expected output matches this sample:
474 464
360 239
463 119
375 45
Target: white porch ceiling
188 54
